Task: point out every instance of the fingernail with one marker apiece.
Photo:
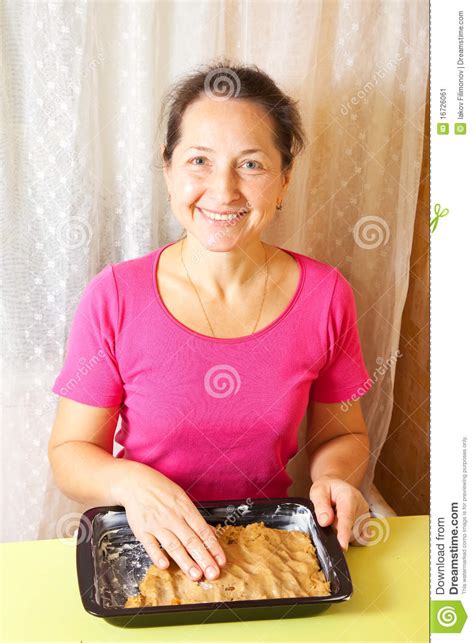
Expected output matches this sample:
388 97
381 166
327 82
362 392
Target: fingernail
323 517
194 571
220 559
162 563
211 572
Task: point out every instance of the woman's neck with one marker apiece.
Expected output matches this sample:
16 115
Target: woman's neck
223 275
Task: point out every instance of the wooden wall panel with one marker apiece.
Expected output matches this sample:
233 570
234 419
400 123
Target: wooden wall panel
402 472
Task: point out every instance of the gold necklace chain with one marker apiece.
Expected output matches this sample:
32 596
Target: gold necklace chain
203 309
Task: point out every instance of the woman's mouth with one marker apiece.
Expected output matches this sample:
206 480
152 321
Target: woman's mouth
221 219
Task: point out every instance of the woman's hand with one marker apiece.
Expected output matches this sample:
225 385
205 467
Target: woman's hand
329 493
160 512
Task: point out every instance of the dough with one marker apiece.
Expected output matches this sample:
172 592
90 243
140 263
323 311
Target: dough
261 563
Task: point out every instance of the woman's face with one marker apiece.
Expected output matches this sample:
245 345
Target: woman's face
239 172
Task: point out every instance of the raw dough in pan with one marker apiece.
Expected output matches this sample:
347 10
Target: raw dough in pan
261 563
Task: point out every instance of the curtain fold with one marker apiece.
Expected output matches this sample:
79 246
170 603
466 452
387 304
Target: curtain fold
81 89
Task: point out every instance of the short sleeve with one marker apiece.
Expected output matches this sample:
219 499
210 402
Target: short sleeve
344 375
90 373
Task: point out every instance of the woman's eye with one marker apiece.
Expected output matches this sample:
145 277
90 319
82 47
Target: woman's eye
254 162
203 158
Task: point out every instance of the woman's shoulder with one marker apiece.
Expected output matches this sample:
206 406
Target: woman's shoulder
317 271
123 278
135 267
326 287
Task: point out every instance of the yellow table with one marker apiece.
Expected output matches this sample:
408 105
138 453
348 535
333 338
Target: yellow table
41 602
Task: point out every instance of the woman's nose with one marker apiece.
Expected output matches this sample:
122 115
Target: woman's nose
223 184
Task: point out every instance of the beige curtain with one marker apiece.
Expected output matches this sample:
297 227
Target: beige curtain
81 89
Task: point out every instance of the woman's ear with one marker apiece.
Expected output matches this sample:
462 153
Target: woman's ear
164 165
285 182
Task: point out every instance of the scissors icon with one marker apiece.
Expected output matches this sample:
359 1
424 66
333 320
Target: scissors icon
439 213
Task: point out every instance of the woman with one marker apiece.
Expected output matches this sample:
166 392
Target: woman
212 348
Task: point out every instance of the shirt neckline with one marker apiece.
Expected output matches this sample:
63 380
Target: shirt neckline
230 340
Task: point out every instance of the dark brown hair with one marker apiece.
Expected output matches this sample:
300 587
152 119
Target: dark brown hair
223 80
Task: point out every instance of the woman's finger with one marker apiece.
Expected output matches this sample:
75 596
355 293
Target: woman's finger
153 549
195 546
207 534
345 512
321 498
359 529
175 548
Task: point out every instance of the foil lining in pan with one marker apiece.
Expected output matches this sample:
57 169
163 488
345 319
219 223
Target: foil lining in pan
121 562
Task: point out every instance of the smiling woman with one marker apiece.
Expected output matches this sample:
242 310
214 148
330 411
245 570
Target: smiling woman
230 141
214 347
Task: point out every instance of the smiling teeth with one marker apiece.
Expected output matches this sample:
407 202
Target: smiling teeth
220 217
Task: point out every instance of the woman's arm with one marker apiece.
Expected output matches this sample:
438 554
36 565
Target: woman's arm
80 453
159 511
338 453
337 442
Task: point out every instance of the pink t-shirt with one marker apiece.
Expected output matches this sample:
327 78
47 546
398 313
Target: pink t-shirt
218 416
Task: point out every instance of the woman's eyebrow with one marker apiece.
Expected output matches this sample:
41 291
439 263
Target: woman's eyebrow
208 149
